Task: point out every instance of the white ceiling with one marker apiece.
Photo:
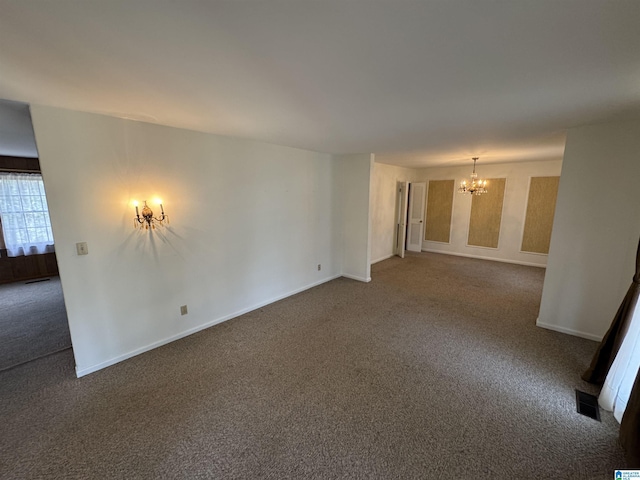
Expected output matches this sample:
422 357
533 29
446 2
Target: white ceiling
416 82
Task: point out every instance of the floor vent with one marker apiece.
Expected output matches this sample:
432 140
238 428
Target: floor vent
587 405
36 281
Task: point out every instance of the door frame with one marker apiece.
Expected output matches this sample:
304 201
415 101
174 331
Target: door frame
416 221
401 217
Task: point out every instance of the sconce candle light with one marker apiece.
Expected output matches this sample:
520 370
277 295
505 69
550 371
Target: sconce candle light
146 219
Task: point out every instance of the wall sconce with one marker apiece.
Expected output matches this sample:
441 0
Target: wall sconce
146 219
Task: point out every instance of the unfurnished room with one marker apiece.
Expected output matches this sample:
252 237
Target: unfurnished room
312 240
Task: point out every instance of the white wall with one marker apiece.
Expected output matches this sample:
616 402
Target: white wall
249 224
513 214
354 180
596 230
384 205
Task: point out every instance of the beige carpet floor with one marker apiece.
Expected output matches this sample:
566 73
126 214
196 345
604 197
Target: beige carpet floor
33 321
433 370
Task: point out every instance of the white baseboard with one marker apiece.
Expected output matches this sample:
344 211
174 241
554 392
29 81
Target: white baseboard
80 372
382 258
568 331
354 277
480 257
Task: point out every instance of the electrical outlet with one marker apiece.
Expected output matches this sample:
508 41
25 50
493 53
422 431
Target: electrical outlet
319 266
82 248
183 310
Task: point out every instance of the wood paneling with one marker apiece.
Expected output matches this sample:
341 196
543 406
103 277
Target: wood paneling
16 269
541 206
19 164
486 215
439 209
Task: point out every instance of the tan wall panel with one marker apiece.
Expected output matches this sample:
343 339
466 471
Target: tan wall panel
486 215
541 206
439 208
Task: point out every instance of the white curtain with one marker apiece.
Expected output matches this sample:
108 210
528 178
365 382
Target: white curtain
622 374
24 214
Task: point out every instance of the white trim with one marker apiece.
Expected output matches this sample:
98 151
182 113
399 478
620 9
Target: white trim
80 372
410 211
486 248
439 243
403 194
533 253
569 331
383 258
503 260
354 277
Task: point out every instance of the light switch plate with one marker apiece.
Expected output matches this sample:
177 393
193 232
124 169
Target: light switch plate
82 248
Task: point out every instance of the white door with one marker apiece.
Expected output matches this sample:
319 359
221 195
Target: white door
415 229
401 222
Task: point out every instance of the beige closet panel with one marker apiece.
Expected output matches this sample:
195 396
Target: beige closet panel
541 206
439 208
486 215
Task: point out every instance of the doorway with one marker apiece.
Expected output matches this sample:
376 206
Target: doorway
410 217
34 321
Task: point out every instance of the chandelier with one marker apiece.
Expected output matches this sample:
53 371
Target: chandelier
475 187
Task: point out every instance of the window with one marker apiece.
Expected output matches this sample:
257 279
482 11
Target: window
26 227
